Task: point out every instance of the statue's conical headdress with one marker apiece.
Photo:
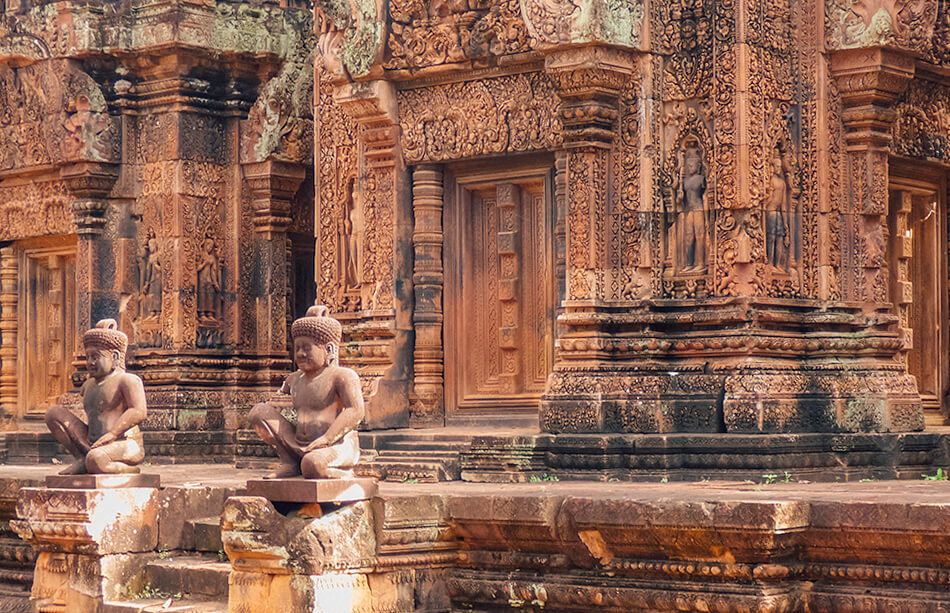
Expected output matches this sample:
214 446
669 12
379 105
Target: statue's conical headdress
106 335
318 325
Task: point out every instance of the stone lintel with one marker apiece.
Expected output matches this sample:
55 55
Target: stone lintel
312 490
95 482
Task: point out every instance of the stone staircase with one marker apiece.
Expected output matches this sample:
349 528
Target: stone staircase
184 581
403 456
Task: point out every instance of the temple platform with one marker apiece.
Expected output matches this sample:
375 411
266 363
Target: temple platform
711 545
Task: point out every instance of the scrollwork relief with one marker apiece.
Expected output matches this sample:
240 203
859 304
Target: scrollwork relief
462 120
428 33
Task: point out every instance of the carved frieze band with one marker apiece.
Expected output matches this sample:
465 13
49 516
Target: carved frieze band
462 120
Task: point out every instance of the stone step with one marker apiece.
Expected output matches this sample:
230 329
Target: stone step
157 605
189 575
207 531
406 470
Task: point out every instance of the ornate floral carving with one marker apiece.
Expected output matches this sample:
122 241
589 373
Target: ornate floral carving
35 209
432 32
460 120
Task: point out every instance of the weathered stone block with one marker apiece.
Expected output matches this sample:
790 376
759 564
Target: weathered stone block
93 522
312 490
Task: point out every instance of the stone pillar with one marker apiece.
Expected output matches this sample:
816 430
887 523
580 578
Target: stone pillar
382 351
428 282
273 185
96 296
9 297
589 81
92 544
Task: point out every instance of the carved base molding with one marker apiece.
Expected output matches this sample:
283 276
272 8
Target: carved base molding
736 365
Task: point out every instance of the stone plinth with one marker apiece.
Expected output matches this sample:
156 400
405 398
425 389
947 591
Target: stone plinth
96 482
313 490
91 542
284 563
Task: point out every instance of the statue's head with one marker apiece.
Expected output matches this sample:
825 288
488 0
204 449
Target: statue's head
317 338
105 347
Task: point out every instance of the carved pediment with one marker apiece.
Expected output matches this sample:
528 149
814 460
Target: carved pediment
52 112
280 124
906 24
561 22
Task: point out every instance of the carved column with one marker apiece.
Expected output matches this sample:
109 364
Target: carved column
870 80
428 283
589 81
96 298
8 333
381 345
273 185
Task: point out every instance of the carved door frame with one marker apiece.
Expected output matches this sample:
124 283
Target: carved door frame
916 178
60 305
457 179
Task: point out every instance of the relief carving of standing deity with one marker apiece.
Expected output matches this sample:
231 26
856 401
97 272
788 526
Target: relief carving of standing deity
151 277
777 214
691 211
209 281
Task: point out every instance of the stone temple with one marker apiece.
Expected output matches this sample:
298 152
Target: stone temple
616 258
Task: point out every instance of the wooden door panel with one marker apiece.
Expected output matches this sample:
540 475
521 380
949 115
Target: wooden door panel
502 343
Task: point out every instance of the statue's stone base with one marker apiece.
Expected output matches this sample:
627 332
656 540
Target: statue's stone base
312 490
96 482
91 542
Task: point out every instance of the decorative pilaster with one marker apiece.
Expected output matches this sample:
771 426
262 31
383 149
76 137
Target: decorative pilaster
272 185
870 81
428 284
381 343
96 298
8 333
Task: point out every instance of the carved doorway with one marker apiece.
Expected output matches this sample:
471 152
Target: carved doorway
500 293
47 324
918 275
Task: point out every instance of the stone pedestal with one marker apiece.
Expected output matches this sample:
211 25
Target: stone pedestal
91 543
281 563
313 490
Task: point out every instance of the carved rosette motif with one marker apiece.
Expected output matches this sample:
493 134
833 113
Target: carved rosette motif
473 118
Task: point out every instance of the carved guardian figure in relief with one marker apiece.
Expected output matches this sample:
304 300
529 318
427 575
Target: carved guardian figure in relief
109 441
328 401
777 214
209 281
691 212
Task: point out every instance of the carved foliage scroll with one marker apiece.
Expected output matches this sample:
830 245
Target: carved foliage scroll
491 116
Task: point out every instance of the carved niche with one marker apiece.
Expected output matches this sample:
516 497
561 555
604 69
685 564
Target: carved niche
433 32
52 112
491 116
689 191
336 173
